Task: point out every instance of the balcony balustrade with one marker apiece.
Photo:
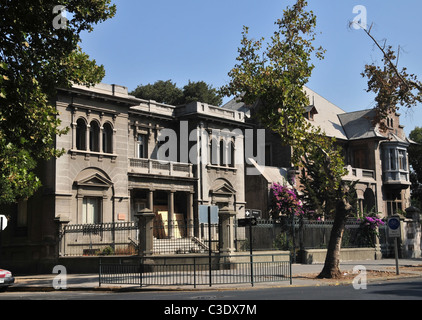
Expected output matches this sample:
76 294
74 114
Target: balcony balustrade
157 167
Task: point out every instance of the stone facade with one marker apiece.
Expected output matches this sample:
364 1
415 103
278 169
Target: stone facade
124 154
376 158
112 168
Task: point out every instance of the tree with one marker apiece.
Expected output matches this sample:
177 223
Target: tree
393 88
321 176
37 56
200 91
415 160
167 92
161 91
271 80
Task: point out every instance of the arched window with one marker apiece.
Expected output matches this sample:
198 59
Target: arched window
81 134
232 152
107 138
222 153
213 151
94 136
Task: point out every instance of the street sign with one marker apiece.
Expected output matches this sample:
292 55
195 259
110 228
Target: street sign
393 224
3 222
246 222
253 213
203 214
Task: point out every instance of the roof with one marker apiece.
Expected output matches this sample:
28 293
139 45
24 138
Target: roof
358 125
271 174
334 121
327 117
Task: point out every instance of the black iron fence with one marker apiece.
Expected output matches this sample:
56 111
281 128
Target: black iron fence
183 237
120 238
197 271
288 235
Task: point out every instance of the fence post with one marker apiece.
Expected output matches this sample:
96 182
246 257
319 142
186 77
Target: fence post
145 225
61 224
141 269
226 217
99 274
194 272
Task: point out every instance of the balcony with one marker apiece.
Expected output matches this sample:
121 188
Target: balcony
359 174
163 168
396 178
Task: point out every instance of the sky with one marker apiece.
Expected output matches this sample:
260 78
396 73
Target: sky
198 40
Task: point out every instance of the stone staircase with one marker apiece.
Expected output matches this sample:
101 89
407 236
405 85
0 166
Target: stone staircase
179 246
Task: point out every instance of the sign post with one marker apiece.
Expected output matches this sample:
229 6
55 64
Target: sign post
249 221
3 225
394 231
3 222
208 215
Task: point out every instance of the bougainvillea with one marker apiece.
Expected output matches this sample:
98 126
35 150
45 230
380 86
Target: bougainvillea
368 229
285 201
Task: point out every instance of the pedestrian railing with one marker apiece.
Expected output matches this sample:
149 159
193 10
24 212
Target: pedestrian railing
256 268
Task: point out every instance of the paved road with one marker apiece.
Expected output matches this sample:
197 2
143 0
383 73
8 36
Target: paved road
404 289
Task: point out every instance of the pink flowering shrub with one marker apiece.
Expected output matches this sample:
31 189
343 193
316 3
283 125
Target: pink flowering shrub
368 228
285 201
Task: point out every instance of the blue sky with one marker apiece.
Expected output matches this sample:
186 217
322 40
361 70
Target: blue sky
198 40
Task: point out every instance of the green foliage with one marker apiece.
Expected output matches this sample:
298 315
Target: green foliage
161 91
167 92
393 88
36 59
322 172
283 242
272 78
415 160
202 92
271 81
107 251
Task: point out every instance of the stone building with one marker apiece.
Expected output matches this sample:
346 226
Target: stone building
376 158
124 154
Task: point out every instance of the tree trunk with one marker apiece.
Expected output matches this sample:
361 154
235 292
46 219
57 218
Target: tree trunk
331 268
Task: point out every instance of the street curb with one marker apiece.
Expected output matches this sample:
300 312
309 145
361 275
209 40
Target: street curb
312 283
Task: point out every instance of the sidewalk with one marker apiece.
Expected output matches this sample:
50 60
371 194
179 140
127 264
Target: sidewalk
303 275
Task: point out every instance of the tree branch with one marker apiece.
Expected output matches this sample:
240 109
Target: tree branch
409 83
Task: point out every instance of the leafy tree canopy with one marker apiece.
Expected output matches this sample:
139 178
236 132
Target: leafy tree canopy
415 160
272 77
36 58
167 92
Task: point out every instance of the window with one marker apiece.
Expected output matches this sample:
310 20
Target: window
81 134
360 157
94 136
213 151
268 161
107 138
232 154
394 203
141 146
222 153
91 210
402 160
392 159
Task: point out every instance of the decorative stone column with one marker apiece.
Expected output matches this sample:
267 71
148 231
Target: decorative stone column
61 223
171 222
146 231
226 217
